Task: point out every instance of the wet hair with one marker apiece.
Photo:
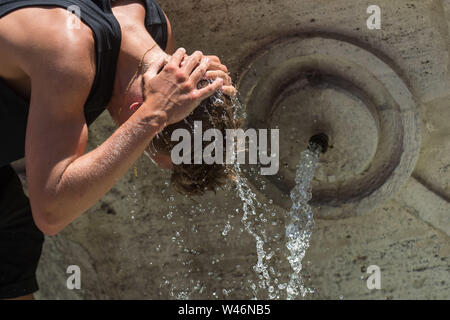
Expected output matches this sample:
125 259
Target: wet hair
215 112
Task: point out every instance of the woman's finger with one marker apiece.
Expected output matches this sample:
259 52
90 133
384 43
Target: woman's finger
200 71
214 65
156 66
214 58
229 91
177 57
192 62
209 90
185 59
214 74
151 73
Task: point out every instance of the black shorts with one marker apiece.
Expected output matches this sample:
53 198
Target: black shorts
20 240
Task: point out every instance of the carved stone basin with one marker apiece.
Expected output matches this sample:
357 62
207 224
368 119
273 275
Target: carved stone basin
309 85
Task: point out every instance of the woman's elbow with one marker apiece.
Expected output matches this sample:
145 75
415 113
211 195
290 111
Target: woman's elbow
46 221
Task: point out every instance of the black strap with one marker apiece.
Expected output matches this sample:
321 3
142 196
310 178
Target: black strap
156 23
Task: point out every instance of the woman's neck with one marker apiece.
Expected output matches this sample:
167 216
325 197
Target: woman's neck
136 42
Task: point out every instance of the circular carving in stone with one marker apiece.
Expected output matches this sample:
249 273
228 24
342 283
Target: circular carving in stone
309 85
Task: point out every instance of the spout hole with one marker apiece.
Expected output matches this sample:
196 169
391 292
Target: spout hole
319 142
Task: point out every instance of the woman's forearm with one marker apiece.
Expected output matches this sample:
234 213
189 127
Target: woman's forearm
92 175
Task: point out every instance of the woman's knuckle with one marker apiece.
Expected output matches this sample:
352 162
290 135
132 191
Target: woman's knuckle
181 76
186 86
214 58
203 70
170 67
193 95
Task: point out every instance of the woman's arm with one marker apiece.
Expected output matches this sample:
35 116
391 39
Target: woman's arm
64 182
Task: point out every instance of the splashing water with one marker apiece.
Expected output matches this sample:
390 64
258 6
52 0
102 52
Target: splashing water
249 207
301 225
298 229
249 204
298 232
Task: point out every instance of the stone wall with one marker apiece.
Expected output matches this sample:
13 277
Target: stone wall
144 241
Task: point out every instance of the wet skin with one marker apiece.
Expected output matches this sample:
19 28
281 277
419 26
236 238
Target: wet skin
55 67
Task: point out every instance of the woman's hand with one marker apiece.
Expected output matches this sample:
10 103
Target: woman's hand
172 93
218 70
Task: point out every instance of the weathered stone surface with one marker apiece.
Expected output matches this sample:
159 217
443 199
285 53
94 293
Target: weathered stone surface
433 166
413 257
426 205
143 241
306 85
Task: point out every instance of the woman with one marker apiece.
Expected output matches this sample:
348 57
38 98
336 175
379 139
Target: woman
55 80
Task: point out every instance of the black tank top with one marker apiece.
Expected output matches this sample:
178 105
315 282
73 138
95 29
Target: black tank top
97 15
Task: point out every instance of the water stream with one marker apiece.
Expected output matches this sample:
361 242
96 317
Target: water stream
299 228
276 251
301 224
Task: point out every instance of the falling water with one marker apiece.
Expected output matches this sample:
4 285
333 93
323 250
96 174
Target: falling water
301 224
249 205
298 229
254 219
250 219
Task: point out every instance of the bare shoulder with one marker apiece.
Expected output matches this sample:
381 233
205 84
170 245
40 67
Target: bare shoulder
48 43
